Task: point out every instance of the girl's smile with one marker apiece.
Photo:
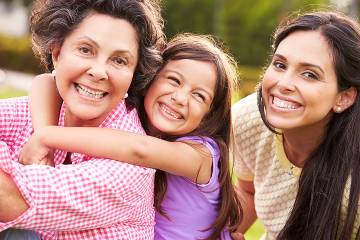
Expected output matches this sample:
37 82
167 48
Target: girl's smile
180 96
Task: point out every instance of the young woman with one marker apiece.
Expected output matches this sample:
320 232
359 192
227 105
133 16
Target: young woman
298 151
189 97
91 198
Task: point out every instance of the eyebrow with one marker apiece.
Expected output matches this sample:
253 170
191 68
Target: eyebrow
182 77
302 63
98 46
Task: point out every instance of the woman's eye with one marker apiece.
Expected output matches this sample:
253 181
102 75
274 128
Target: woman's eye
120 61
279 65
85 50
310 75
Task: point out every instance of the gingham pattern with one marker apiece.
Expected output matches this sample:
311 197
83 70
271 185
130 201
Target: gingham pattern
260 157
91 199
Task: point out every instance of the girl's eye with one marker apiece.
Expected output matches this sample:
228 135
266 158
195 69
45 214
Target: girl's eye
174 81
310 75
119 61
199 96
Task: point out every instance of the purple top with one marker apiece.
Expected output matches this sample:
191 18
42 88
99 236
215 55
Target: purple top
190 207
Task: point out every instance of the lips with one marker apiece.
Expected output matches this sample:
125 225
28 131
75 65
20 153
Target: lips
285 104
90 93
170 112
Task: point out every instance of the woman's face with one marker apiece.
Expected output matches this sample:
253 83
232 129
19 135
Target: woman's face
94 67
300 85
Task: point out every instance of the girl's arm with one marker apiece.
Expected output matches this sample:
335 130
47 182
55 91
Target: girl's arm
178 158
45 101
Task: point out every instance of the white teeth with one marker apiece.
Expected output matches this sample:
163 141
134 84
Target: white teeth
284 104
89 92
169 112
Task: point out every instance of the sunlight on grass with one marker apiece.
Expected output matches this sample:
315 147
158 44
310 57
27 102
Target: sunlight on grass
6 92
255 232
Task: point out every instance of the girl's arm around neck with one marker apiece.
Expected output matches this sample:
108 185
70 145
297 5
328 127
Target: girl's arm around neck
178 158
45 101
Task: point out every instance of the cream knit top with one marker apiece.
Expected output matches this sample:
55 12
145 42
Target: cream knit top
260 157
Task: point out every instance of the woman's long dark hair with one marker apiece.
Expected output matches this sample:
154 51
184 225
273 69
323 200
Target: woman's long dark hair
336 161
216 124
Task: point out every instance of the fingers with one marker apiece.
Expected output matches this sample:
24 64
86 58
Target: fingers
237 236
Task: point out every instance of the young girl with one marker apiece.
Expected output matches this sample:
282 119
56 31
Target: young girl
298 152
187 110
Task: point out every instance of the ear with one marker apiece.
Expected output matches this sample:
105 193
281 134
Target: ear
345 99
55 52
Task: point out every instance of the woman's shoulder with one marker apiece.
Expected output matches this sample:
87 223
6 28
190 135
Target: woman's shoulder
247 122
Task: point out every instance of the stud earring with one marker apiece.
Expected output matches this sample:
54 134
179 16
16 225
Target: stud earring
126 95
53 74
338 109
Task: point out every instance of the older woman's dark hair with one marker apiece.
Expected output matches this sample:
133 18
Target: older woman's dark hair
53 20
336 162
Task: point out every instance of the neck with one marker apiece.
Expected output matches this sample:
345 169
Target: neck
301 143
73 121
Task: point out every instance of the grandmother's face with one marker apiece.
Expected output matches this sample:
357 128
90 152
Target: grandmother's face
94 68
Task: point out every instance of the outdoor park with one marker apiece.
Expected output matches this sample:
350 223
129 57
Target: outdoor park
244 26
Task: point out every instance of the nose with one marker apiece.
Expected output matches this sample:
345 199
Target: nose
179 96
97 71
286 82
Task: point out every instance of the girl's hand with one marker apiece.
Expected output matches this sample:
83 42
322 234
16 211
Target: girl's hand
36 153
237 236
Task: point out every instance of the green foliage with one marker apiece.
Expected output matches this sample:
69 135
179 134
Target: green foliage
10 92
16 54
246 26
255 232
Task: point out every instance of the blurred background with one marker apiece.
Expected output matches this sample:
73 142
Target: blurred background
244 26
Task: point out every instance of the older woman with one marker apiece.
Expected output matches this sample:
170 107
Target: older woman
102 51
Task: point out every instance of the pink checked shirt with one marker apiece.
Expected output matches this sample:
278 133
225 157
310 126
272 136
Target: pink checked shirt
92 198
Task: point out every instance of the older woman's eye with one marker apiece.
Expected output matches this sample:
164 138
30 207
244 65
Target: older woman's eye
85 50
119 61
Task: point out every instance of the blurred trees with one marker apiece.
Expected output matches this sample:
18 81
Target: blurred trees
245 26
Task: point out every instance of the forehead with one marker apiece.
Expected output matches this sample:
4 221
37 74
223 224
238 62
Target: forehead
307 46
107 31
199 74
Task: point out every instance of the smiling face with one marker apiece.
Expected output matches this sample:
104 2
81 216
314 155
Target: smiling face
300 87
94 68
180 96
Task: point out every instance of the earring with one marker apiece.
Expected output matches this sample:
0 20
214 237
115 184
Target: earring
53 74
338 109
126 95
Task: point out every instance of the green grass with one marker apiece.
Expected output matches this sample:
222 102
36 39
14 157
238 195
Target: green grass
6 92
255 232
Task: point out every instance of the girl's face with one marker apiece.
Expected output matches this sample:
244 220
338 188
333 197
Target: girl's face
300 87
180 96
94 68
